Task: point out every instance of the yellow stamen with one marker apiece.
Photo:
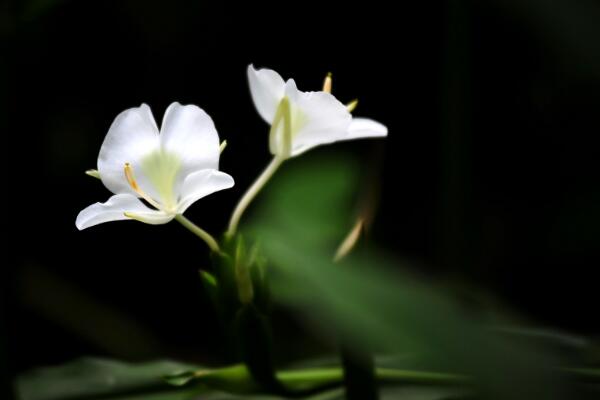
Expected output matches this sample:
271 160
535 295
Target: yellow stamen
352 105
222 146
327 83
136 188
130 178
93 173
350 240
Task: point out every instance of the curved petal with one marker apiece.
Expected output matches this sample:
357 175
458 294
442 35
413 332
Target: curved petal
132 136
364 128
317 118
188 133
200 184
114 210
267 90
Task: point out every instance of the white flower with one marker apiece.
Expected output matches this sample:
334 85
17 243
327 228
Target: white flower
316 117
170 169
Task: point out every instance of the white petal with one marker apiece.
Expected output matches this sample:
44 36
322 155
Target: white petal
200 184
132 135
364 128
267 90
317 118
291 91
114 210
189 133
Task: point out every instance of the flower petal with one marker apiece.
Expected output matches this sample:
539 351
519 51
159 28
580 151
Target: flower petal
200 184
189 133
317 118
267 90
364 128
114 210
132 135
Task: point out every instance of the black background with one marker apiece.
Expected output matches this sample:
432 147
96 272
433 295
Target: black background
490 177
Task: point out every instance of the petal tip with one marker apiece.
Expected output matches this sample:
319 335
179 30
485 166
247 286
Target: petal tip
230 182
80 222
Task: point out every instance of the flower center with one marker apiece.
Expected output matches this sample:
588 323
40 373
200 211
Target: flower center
298 119
162 169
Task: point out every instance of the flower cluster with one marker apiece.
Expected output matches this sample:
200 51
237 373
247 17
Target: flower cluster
156 174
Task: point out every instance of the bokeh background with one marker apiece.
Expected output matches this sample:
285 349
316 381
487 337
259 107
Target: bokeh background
489 175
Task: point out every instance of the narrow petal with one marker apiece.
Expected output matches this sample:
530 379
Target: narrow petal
188 133
365 128
267 90
200 184
132 136
114 210
317 118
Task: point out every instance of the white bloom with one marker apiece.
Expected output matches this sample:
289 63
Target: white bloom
170 169
316 117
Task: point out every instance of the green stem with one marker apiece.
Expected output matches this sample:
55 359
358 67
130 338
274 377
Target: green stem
201 233
281 146
314 377
251 194
237 378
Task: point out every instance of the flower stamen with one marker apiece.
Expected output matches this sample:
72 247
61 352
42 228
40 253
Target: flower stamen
136 188
352 105
327 83
350 241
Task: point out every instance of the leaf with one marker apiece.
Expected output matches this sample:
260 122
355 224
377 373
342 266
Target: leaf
101 378
373 300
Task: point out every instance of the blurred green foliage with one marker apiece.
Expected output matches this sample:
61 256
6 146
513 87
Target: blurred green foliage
99 378
372 298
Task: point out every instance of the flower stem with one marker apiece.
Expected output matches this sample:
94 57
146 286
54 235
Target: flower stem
251 194
201 233
302 382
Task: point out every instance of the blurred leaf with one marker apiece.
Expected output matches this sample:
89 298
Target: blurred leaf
373 300
309 190
100 378
209 282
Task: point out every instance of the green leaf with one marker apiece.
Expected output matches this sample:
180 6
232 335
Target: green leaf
372 299
208 279
101 379
211 286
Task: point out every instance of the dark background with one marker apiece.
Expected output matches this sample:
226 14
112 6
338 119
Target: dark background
490 176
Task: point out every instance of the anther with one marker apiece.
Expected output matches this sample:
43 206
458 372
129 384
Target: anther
136 188
327 83
352 105
130 178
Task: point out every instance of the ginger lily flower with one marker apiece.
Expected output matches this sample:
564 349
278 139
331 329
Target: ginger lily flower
170 169
299 121
315 117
